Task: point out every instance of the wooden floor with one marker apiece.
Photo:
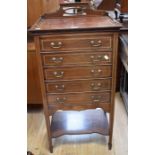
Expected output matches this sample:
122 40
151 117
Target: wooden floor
91 144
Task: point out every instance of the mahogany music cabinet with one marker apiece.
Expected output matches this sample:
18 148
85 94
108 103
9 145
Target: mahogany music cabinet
77 58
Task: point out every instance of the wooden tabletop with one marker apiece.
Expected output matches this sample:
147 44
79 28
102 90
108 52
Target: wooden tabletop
72 23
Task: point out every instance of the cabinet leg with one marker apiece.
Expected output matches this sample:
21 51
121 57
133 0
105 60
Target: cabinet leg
109 145
50 145
49 134
51 148
110 141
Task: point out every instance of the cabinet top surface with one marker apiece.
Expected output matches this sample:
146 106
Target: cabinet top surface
74 23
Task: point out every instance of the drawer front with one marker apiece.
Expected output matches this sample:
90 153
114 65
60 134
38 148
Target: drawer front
55 107
78 86
79 98
77 59
77 73
76 42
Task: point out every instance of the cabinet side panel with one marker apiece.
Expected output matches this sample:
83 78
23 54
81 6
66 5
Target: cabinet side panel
114 68
47 118
33 83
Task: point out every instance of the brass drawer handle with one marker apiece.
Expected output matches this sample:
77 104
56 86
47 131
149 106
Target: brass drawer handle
99 58
96 99
96 86
96 43
58 74
60 87
60 100
96 72
57 60
56 44
95 59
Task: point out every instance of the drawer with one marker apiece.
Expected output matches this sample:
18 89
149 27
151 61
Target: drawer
76 42
79 98
68 73
77 59
78 86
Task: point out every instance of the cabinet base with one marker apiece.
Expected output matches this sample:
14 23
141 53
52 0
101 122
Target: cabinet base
79 122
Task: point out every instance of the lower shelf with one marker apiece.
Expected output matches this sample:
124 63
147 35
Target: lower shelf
79 122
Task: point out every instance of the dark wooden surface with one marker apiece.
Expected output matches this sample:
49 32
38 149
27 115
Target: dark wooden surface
69 73
76 42
79 98
80 58
82 122
106 4
123 6
33 82
35 8
74 23
81 36
78 85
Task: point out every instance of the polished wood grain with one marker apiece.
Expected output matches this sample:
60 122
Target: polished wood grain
43 91
70 35
50 5
70 73
79 98
84 144
123 6
87 122
35 8
73 23
114 69
80 58
78 85
77 42
106 4
33 84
